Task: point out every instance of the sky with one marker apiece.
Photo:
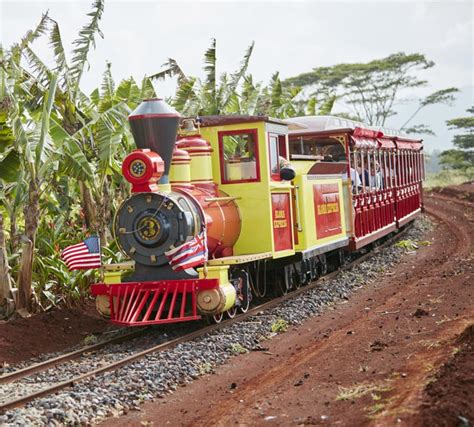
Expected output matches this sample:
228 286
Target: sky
291 37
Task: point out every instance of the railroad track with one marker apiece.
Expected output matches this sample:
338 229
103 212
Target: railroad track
44 366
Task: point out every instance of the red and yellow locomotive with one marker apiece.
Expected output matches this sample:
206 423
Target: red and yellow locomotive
245 205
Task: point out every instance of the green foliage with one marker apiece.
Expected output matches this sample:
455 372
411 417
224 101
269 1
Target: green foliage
279 325
464 141
212 95
449 177
408 245
53 137
372 88
237 93
237 348
443 96
411 245
462 156
83 44
419 129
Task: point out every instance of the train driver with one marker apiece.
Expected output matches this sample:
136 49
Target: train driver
287 172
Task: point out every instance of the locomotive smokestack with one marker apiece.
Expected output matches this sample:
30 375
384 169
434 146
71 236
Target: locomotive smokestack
154 125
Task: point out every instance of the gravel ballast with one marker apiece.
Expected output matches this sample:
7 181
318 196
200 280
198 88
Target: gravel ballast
155 375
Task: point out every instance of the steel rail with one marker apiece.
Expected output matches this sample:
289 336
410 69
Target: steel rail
76 354
21 401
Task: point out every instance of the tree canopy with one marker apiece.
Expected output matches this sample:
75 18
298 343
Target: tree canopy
462 156
372 89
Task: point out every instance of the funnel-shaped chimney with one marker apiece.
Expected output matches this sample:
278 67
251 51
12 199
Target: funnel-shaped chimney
155 125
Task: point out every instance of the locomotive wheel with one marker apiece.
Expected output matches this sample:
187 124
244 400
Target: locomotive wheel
218 317
297 276
244 306
282 283
306 272
231 312
244 293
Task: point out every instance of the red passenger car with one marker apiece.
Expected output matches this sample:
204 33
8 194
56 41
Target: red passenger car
384 171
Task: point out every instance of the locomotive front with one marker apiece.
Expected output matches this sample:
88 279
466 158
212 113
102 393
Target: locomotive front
154 218
166 228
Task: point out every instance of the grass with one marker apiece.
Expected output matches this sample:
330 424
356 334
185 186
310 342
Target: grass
444 320
408 245
448 177
429 344
204 368
359 390
436 300
90 339
374 409
237 348
280 325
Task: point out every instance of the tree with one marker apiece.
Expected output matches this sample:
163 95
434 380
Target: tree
444 96
237 93
35 103
371 89
31 130
462 156
51 157
211 95
5 279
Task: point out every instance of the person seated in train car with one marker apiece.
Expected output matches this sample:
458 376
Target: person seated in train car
333 153
363 175
355 178
287 171
375 177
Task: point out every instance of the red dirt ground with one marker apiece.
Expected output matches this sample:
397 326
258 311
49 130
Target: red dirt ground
399 343
394 354
22 339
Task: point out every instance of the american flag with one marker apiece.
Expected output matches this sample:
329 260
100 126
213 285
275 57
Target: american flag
189 254
83 256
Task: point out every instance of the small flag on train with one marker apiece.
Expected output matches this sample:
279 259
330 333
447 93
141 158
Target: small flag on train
190 254
83 256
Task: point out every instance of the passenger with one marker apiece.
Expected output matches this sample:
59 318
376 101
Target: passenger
287 172
375 178
363 174
355 178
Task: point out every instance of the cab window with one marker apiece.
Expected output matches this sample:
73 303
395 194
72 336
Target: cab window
274 157
324 149
238 151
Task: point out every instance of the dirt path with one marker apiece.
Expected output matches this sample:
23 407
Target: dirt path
374 359
58 330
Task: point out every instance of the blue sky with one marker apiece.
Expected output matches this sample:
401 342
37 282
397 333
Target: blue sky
291 37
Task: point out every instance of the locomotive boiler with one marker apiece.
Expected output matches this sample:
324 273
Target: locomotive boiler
212 221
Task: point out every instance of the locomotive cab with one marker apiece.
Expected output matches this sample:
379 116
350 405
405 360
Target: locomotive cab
250 152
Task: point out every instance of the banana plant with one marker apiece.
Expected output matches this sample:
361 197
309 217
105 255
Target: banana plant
211 95
31 130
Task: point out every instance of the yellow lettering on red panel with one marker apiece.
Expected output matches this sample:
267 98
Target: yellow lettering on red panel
279 214
328 208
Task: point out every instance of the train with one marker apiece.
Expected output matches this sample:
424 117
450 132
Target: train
225 209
